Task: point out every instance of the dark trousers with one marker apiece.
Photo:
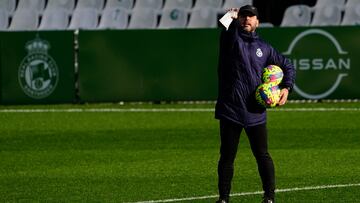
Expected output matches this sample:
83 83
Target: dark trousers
230 135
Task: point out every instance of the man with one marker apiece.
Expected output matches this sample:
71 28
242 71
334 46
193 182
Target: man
243 55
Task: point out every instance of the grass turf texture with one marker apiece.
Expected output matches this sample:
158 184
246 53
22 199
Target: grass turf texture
135 156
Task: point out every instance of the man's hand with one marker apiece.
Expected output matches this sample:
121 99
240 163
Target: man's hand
234 12
284 93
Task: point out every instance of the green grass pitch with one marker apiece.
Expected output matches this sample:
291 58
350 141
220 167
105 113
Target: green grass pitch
139 156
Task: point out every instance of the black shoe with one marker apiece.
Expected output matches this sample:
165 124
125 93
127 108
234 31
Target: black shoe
222 201
268 200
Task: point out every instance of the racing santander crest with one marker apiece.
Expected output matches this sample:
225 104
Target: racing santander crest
38 73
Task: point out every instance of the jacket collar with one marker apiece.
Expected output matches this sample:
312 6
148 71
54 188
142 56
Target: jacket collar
250 36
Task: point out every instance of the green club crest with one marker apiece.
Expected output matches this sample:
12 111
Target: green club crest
38 73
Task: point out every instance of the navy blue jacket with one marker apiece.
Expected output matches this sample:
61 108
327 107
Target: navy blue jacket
242 58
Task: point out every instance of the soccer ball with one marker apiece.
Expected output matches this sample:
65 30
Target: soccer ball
272 73
268 95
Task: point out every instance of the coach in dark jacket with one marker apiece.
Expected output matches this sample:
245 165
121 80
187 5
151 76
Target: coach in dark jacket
243 55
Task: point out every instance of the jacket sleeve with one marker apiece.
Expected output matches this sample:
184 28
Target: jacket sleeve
285 64
227 38
231 33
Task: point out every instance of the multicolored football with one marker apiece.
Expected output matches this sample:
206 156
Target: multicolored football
272 73
268 95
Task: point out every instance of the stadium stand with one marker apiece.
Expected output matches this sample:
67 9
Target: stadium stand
323 3
327 12
165 14
351 3
329 15
96 4
352 13
208 3
55 19
25 19
266 24
84 18
114 18
153 4
8 5
36 5
4 19
126 4
180 4
297 15
203 18
173 18
65 4
143 18
236 3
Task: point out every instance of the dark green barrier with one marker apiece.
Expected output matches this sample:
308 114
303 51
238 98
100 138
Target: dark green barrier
133 65
148 65
37 67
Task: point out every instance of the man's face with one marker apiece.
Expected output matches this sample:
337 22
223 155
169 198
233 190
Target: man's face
249 23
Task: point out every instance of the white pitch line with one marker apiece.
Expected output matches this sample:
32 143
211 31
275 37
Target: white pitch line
315 109
102 110
254 193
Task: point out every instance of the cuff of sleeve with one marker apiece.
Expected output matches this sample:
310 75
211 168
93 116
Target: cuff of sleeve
288 88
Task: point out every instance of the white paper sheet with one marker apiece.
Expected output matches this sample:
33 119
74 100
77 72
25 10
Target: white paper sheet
227 19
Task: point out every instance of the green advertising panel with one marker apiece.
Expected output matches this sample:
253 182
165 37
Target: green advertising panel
325 58
37 67
148 65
